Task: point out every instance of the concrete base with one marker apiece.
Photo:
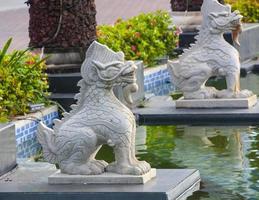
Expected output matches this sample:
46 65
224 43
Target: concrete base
216 103
161 110
188 21
106 178
7 148
249 40
30 181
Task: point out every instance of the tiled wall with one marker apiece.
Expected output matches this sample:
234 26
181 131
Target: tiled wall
27 144
158 81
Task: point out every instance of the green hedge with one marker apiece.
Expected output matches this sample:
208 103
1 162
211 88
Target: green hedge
22 82
248 8
144 37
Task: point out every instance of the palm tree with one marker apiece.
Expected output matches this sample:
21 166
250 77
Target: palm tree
62 24
190 5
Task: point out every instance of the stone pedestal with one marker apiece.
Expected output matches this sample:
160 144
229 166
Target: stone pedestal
216 103
187 21
30 181
7 148
249 40
106 178
162 111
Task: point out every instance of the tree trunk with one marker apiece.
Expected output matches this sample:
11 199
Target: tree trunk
189 5
62 24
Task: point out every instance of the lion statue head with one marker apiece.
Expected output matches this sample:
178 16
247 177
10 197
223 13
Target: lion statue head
219 18
106 69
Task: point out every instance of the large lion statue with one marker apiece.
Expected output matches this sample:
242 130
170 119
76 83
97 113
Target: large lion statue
211 56
98 118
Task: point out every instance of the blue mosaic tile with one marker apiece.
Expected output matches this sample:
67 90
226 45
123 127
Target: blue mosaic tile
28 136
19 135
21 154
32 124
31 130
157 83
27 144
158 79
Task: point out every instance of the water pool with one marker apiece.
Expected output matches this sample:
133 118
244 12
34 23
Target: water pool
227 157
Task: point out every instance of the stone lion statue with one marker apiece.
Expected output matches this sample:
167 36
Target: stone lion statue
98 118
211 56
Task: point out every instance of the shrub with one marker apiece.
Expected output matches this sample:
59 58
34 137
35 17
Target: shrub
144 37
22 82
248 8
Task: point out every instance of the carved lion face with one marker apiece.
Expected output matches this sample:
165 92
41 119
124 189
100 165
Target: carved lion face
225 21
119 73
105 68
122 73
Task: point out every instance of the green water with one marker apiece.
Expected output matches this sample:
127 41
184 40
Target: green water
227 157
250 82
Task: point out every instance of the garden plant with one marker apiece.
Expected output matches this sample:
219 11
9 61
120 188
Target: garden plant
248 8
22 82
144 37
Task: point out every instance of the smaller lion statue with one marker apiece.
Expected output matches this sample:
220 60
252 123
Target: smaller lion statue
98 118
211 56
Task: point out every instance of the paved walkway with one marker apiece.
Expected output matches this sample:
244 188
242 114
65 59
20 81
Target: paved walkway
14 16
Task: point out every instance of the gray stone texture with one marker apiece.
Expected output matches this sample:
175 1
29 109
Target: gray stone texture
63 58
161 110
30 181
249 42
7 148
105 178
187 21
217 103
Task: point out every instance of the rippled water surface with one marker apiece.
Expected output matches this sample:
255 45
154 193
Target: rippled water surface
227 157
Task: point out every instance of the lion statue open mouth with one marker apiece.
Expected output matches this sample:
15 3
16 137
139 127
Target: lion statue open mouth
211 56
98 118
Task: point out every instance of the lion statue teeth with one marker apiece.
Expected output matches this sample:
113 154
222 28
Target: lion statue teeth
211 56
98 118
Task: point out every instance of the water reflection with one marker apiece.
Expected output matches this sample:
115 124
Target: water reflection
227 157
250 82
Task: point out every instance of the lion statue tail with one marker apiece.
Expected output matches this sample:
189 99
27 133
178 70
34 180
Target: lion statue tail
173 68
188 78
46 137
